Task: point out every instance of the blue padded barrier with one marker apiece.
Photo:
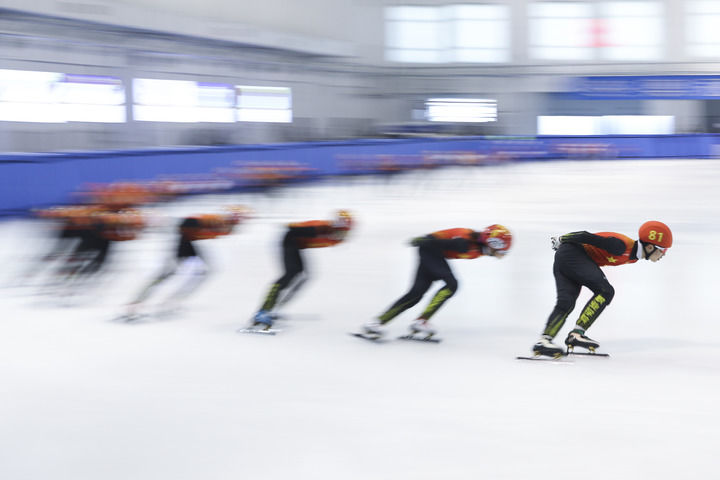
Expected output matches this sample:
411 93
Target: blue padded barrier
41 179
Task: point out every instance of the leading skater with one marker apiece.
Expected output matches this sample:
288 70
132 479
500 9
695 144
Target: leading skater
434 250
578 258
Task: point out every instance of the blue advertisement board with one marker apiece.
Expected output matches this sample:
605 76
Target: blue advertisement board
666 87
38 180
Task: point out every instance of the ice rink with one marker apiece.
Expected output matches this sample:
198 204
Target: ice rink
84 397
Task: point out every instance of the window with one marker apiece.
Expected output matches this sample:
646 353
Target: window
703 28
51 97
414 34
634 30
562 31
606 125
91 98
182 101
616 30
461 110
264 104
478 33
450 33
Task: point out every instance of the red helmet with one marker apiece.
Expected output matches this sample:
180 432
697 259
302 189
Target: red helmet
656 233
497 237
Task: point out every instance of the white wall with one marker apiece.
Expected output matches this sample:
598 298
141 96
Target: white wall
328 51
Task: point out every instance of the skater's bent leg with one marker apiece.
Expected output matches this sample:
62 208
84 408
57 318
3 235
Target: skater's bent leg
193 271
438 268
440 298
411 298
293 267
293 288
145 292
602 297
567 294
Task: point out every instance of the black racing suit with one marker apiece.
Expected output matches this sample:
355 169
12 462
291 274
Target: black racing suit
574 268
292 263
433 266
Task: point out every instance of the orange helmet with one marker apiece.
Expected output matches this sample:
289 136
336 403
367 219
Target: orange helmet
497 237
656 233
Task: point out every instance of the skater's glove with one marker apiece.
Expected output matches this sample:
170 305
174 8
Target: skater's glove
417 241
556 242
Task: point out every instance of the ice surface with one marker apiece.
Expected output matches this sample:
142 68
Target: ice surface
86 398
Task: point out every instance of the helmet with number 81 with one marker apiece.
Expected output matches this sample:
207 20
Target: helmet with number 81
656 233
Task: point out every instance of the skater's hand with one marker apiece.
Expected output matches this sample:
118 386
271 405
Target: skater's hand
417 241
555 242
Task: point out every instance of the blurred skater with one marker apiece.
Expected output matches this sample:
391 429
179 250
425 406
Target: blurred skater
187 264
100 230
434 250
299 236
71 224
578 258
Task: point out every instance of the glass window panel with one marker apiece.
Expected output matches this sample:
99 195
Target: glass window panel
630 9
264 104
704 50
27 86
560 32
560 10
561 53
637 125
477 12
567 125
93 113
164 92
50 97
260 115
703 7
164 113
631 53
461 110
414 56
481 34
479 55
182 101
427 14
413 35
216 95
704 29
634 31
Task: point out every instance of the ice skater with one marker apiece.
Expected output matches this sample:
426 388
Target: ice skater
299 236
434 250
578 258
88 260
187 264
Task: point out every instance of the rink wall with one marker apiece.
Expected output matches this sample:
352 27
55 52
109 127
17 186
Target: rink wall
42 179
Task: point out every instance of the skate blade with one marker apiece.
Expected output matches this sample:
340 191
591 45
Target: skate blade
131 318
369 338
587 354
259 331
562 359
416 338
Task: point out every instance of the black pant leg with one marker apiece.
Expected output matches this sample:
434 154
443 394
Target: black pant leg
574 269
439 269
293 265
